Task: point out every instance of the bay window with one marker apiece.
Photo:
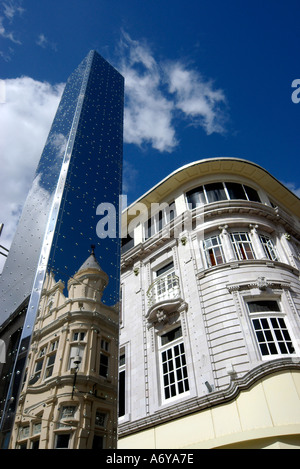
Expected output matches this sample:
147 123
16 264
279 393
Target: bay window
218 191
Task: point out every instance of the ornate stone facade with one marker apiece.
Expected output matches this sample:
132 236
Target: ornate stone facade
69 395
210 309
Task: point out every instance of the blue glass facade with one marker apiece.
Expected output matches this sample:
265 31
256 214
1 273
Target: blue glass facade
80 168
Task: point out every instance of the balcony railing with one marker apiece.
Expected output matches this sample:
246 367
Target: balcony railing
164 288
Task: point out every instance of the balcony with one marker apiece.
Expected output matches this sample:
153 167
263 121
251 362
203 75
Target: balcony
164 288
164 298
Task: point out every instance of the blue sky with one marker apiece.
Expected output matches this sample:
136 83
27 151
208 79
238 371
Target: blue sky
202 79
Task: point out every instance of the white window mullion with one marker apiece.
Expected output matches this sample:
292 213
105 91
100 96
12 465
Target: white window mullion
173 365
270 328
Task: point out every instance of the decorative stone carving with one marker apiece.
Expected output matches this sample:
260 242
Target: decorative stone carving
161 316
165 311
261 283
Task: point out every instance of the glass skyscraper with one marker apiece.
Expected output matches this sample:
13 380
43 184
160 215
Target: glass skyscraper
80 169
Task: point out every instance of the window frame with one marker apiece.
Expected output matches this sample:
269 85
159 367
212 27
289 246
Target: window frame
212 248
201 196
180 373
166 283
159 220
61 435
239 246
104 354
266 338
269 247
122 391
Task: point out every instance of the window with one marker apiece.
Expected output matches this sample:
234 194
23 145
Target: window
48 354
164 216
252 194
196 197
215 192
42 352
220 191
50 365
36 428
213 251
242 246
103 369
62 441
100 419
67 415
127 243
122 384
173 364
104 345
98 442
235 191
78 336
35 444
270 328
24 432
166 286
37 371
269 248
104 358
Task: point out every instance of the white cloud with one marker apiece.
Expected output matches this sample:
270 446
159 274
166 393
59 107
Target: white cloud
7 35
25 121
155 91
293 188
11 8
196 97
43 42
148 113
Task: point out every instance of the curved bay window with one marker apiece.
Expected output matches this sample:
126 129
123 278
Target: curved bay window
217 191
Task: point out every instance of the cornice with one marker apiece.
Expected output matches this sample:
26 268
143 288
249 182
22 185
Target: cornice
217 166
70 317
213 212
67 379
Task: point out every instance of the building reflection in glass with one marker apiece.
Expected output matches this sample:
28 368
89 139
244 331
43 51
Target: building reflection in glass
80 168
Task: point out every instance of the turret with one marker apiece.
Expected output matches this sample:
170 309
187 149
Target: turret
89 281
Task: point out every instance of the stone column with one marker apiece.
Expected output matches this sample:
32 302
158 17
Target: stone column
226 244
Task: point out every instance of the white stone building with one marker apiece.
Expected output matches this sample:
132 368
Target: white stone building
210 327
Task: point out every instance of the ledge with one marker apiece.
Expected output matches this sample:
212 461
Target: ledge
243 263
197 404
163 310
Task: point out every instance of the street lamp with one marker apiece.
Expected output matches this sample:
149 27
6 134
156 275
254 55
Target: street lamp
76 361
